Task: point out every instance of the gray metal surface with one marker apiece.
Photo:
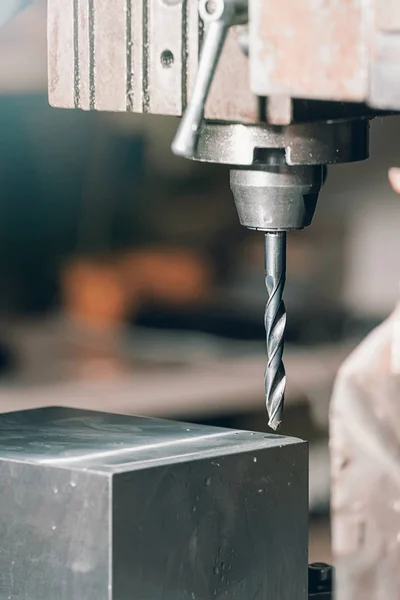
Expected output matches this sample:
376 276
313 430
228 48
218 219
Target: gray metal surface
304 144
276 198
275 323
107 507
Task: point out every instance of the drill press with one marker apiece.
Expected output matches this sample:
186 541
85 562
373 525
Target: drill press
91 502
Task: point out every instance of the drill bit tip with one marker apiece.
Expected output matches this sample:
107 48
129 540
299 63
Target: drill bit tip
274 424
275 323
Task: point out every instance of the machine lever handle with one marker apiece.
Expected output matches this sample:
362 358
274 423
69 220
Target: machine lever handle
219 15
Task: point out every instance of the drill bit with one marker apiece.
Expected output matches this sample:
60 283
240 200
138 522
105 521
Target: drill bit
275 323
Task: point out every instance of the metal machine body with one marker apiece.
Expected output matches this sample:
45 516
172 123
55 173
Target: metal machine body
142 56
109 507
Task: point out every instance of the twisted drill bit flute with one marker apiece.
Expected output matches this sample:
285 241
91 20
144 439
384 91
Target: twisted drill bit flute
275 323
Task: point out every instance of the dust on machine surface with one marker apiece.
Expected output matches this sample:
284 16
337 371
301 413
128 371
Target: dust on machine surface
277 91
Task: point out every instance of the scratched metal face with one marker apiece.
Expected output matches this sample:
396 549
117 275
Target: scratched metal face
109 507
84 440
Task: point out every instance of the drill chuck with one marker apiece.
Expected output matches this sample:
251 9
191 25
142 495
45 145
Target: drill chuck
276 198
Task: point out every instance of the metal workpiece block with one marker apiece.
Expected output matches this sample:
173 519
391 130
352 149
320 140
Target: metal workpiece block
139 56
105 507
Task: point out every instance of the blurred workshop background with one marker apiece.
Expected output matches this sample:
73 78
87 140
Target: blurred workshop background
128 285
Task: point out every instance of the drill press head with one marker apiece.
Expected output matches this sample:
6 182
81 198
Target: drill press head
277 172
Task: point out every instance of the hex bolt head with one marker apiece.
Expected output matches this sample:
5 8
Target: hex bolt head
320 578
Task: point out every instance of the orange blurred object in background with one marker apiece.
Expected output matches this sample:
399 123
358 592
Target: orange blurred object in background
94 294
101 294
167 276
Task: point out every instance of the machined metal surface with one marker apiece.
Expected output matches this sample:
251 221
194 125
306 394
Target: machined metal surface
103 507
122 56
140 56
303 144
274 198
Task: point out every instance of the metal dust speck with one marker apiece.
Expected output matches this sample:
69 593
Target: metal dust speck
254 459
55 490
54 527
